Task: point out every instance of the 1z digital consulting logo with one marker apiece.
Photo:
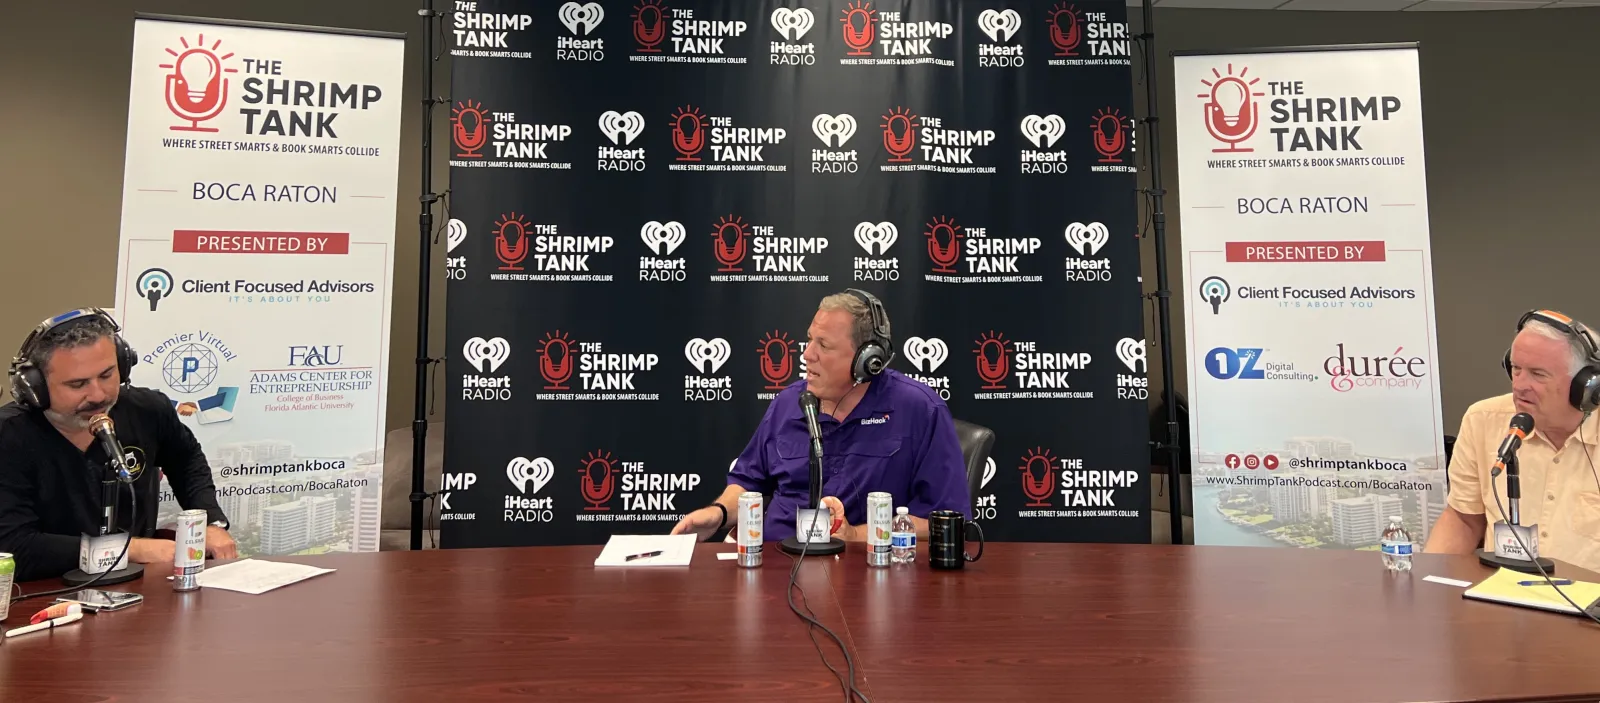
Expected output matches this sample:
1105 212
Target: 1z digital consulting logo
1001 27
775 258
887 39
601 375
983 254
487 34
1245 364
1004 364
581 21
1087 38
1347 372
1044 476
777 354
707 358
486 356
663 239
692 40
927 355
918 143
621 128
732 148
1087 240
529 477
484 138
603 477
1306 122
556 257
792 25
834 131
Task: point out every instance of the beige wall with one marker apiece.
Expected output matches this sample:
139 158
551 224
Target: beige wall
1507 103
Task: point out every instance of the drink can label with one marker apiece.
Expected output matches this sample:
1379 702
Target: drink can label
751 520
880 513
189 558
8 572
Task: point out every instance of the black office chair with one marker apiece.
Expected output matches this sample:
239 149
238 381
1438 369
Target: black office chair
976 443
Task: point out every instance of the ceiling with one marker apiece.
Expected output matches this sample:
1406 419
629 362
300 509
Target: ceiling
1373 5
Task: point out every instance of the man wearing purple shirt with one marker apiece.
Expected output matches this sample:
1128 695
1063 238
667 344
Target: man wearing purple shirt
881 431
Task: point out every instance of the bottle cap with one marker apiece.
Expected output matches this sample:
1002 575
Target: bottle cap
1394 518
902 510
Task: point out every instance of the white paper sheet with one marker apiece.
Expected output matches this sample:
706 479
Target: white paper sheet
676 550
1448 582
256 577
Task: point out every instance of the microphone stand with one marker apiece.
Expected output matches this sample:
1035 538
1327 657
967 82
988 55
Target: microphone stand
1511 539
834 545
108 502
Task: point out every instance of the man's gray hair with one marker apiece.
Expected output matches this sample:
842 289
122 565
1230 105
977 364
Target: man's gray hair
1580 356
860 315
81 332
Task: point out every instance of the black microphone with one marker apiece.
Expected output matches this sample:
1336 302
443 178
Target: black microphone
809 405
1521 425
104 430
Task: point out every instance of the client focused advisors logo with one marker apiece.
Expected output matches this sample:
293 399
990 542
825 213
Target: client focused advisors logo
1004 365
1087 38
598 374
529 477
153 285
1001 27
1215 291
792 25
581 21
488 139
1113 136
196 89
663 239
732 147
1087 240
486 356
759 253
926 356
964 254
875 239
1046 479
1293 297
923 143
1135 384
1246 364
1044 133
894 38
707 358
191 366
555 257
698 41
1347 372
489 35
834 131
646 495
622 128
777 362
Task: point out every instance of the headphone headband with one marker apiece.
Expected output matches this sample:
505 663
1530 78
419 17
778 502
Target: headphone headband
28 385
880 317
24 352
1572 328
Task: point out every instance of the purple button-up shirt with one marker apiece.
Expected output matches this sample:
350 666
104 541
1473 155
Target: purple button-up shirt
899 439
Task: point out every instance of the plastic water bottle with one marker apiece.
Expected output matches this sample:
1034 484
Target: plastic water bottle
1396 546
903 536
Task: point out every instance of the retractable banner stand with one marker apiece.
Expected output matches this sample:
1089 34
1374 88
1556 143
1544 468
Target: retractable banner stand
254 276
1313 376
649 199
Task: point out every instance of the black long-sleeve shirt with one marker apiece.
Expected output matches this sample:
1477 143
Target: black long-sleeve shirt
50 492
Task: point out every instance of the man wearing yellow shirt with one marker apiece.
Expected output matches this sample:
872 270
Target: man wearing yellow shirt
1554 364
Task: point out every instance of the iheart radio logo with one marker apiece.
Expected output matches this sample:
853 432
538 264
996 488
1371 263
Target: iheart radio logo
621 127
1131 353
486 355
927 355
999 25
1044 130
793 24
581 19
522 471
1087 238
834 131
707 357
988 472
663 238
882 234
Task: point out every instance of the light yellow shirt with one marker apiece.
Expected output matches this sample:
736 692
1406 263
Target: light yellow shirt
1560 491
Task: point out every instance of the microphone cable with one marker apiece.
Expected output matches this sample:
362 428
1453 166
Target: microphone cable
133 510
851 693
1548 581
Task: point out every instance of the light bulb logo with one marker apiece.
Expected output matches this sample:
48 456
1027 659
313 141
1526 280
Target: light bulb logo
196 89
1066 29
649 25
1232 115
688 132
471 131
1038 476
777 359
511 241
860 27
1110 137
598 478
555 360
993 357
899 134
729 243
944 243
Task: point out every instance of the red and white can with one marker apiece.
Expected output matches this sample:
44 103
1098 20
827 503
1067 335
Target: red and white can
751 520
189 559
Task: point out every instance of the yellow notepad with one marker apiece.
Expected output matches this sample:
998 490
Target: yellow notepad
1503 587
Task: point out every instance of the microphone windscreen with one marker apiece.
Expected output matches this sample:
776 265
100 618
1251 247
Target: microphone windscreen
808 400
1522 421
102 422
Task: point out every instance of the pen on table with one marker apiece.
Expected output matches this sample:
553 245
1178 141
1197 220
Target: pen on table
1552 582
73 615
645 555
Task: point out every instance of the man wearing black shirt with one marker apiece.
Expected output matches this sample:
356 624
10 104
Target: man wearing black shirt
71 368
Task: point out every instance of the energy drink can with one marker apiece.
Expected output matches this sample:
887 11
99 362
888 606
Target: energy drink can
189 559
8 572
880 512
751 520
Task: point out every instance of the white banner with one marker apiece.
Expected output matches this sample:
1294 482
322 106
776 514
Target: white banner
258 216
1313 377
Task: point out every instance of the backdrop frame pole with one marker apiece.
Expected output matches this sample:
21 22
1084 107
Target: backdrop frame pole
419 422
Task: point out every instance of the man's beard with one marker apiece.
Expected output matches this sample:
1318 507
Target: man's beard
79 419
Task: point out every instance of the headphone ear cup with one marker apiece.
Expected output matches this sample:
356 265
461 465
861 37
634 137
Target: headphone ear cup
126 359
29 389
1505 363
869 362
1585 392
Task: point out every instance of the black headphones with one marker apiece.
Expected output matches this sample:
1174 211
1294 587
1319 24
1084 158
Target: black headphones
1584 393
874 354
28 385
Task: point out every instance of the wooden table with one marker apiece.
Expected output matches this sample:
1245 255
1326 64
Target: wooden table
1028 622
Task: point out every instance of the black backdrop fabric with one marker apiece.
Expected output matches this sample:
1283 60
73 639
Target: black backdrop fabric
648 200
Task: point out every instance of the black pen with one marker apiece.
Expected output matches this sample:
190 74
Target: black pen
645 555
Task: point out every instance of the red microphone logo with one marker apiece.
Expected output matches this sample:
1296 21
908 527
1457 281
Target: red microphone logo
994 360
196 89
649 25
599 479
688 132
1232 116
729 246
470 132
1066 29
899 134
555 360
1038 476
944 243
1109 135
777 359
511 241
860 27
